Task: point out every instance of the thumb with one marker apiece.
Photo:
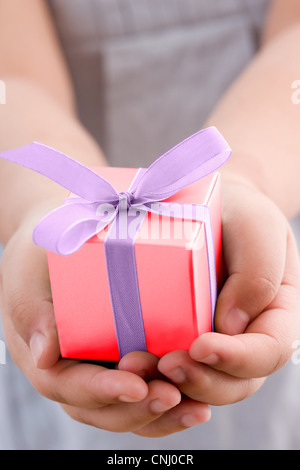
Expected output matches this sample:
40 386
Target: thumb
254 247
26 302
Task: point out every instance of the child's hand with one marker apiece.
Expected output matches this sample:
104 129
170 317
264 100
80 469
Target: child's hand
112 399
258 311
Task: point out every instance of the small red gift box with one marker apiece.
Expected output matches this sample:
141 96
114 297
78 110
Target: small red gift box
173 279
153 289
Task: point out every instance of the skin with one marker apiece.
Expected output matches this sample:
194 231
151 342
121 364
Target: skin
257 318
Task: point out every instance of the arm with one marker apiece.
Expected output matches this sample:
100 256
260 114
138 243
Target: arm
41 106
258 117
257 315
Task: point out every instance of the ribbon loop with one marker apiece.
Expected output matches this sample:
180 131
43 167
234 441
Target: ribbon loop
188 162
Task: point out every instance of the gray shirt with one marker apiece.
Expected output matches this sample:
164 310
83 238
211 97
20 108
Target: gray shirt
147 73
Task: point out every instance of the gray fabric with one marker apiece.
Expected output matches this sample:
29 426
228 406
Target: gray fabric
147 73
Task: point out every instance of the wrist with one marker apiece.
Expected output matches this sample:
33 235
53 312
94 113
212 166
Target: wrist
28 195
26 210
237 187
235 179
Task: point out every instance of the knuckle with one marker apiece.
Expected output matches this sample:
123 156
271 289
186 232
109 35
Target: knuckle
19 312
200 384
46 383
75 413
44 390
268 287
249 387
281 355
263 290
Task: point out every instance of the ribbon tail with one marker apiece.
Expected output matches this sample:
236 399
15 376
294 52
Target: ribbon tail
125 295
123 279
65 171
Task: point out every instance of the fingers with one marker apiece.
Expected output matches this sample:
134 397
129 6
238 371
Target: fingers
221 368
142 364
203 383
254 245
85 385
267 343
242 356
115 400
74 382
161 397
26 298
160 412
187 414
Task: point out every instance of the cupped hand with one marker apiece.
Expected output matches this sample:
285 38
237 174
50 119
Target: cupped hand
258 309
109 398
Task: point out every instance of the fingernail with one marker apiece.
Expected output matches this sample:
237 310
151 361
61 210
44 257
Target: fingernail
37 346
236 321
157 406
189 420
210 360
127 399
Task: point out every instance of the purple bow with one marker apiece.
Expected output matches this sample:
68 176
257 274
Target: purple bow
97 204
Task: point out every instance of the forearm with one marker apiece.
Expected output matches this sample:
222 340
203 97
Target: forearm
40 106
32 114
261 123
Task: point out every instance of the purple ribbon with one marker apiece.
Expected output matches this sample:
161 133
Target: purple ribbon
97 204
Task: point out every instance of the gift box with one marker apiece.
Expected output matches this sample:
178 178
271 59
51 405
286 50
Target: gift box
172 273
134 255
